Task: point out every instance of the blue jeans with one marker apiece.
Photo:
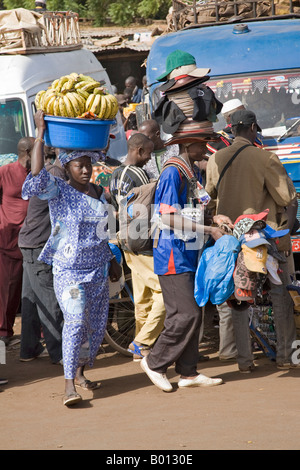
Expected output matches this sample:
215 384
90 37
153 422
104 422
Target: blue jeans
40 310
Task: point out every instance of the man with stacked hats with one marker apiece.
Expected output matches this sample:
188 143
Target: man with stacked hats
175 263
253 181
186 111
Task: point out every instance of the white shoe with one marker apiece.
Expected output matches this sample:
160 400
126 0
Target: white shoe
199 381
160 380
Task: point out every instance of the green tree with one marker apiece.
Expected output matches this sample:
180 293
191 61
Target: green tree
154 8
11 4
121 12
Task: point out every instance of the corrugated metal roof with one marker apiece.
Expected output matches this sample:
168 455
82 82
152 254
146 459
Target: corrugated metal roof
125 45
132 39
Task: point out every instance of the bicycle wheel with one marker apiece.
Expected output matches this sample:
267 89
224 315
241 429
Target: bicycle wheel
120 328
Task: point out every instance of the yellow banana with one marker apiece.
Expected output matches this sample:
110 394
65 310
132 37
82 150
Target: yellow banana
98 90
89 101
67 86
75 104
74 75
55 83
48 95
62 107
95 108
103 107
42 100
69 108
108 108
38 98
86 85
82 93
60 83
86 78
56 111
50 105
81 101
89 86
114 106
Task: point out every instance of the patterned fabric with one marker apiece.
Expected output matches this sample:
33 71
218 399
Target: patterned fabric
66 157
78 251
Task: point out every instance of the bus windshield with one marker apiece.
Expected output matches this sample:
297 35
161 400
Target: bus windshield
274 98
12 127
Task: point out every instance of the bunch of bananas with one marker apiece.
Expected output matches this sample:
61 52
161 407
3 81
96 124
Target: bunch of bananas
74 95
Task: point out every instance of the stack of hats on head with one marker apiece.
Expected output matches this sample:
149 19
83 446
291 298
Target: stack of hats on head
257 262
188 107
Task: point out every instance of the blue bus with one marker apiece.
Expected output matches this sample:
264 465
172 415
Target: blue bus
257 61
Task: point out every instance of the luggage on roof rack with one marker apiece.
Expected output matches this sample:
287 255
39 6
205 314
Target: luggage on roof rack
191 13
27 32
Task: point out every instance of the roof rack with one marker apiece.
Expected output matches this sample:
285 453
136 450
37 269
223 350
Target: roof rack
49 32
191 13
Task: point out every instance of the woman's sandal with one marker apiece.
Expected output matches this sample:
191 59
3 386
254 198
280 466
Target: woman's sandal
72 399
87 384
137 351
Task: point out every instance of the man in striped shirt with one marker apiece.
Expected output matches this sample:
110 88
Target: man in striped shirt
148 300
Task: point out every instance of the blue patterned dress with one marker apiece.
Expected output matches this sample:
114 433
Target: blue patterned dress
78 251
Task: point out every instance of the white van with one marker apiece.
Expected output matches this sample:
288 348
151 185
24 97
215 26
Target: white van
22 76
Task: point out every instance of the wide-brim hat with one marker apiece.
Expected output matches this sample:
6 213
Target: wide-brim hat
192 138
183 82
182 63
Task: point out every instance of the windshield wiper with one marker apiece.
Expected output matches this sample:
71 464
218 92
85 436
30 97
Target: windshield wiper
288 130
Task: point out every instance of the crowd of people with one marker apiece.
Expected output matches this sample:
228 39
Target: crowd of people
57 260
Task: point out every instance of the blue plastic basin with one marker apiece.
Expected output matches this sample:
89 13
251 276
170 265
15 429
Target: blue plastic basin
69 133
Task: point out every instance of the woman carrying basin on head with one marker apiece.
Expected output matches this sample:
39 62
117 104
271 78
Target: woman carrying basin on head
79 253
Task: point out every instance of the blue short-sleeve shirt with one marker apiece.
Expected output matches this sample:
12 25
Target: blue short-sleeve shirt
172 254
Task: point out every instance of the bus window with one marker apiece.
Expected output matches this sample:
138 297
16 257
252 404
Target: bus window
12 127
274 98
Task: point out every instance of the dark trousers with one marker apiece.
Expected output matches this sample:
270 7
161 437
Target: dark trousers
179 341
10 291
40 310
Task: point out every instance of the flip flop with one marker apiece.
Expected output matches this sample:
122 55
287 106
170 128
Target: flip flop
88 385
72 399
137 351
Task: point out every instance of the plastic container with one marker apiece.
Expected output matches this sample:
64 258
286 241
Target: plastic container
84 134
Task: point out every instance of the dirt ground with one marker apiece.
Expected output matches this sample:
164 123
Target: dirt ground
248 412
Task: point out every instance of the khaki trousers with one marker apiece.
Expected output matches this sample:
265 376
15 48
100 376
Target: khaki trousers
148 300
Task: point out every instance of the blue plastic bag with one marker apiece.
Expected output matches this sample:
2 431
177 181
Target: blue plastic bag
214 275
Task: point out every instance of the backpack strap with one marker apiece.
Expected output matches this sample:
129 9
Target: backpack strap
183 167
186 170
120 183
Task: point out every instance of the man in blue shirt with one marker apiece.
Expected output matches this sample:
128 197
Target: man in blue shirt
175 262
